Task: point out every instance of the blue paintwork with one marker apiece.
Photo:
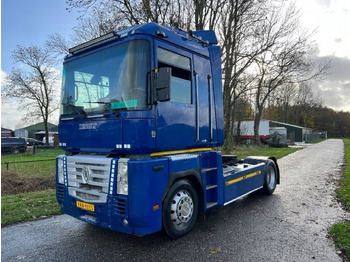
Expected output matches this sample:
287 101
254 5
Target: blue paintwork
163 126
208 35
244 186
85 135
147 189
215 54
173 124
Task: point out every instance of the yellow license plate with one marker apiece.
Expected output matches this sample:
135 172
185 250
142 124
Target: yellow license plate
86 206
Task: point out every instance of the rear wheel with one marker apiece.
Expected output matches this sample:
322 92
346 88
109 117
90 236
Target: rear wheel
180 209
270 177
15 151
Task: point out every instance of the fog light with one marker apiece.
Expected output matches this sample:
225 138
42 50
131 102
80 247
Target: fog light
125 222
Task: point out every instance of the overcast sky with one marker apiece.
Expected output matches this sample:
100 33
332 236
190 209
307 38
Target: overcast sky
25 22
331 18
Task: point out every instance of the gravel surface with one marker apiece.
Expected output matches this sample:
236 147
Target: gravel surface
290 225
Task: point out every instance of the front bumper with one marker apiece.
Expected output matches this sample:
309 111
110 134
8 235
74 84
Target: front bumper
114 214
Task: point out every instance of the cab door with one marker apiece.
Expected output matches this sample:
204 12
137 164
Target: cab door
176 119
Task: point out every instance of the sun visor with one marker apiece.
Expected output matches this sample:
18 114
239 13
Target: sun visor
207 35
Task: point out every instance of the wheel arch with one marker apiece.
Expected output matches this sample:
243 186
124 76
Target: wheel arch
274 159
194 177
263 159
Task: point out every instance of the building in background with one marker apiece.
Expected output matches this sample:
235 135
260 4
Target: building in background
283 132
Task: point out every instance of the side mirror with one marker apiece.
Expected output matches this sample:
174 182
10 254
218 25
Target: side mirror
161 84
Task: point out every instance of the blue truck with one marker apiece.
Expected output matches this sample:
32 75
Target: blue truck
141 113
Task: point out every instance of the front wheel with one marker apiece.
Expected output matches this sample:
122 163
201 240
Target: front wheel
270 177
180 209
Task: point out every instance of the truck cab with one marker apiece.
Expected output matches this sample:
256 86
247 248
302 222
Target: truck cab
111 103
141 111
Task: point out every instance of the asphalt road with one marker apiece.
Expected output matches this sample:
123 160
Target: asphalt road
290 225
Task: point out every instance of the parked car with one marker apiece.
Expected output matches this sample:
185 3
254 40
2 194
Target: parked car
33 142
13 145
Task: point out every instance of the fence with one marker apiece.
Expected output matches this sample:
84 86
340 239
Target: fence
22 162
39 167
311 137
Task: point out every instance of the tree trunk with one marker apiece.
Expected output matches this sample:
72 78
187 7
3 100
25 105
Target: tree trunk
257 120
46 131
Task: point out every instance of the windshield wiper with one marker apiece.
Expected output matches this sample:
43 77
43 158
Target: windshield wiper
76 109
98 102
108 107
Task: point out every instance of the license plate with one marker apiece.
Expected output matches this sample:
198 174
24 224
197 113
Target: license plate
86 206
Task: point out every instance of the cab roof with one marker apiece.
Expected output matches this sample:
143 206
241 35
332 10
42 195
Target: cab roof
196 41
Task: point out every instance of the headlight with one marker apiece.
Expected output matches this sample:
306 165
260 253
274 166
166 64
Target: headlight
60 170
122 179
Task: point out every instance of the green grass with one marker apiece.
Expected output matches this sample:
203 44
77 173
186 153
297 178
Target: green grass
28 207
341 231
244 151
33 205
318 140
344 192
42 168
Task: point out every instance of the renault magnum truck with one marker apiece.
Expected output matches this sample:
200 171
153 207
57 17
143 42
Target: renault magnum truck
141 111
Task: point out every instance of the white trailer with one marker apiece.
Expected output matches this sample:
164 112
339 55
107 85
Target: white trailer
247 129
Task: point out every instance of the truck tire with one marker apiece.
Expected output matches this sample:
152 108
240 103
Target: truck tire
270 180
180 209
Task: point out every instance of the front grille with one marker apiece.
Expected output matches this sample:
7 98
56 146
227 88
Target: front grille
96 189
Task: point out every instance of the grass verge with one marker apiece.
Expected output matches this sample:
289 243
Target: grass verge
244 151
28 207
18 202
40 168
341 231
318 140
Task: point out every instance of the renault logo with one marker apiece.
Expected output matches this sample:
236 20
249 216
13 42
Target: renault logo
86 174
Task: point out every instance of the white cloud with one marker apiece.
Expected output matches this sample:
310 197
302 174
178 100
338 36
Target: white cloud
335 88
331 18
11 115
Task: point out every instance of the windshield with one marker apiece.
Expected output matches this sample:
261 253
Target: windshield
114 78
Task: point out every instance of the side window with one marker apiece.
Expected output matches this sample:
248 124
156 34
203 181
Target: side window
181 75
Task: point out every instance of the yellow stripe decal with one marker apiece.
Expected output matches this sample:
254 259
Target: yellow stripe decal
242 178
180 151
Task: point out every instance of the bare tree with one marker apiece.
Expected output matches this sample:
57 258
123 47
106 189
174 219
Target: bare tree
263 47
97 23
238 22
305 103
197 14
35 86
57 45
288 59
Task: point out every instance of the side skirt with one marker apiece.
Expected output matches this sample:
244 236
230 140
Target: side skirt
233 200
